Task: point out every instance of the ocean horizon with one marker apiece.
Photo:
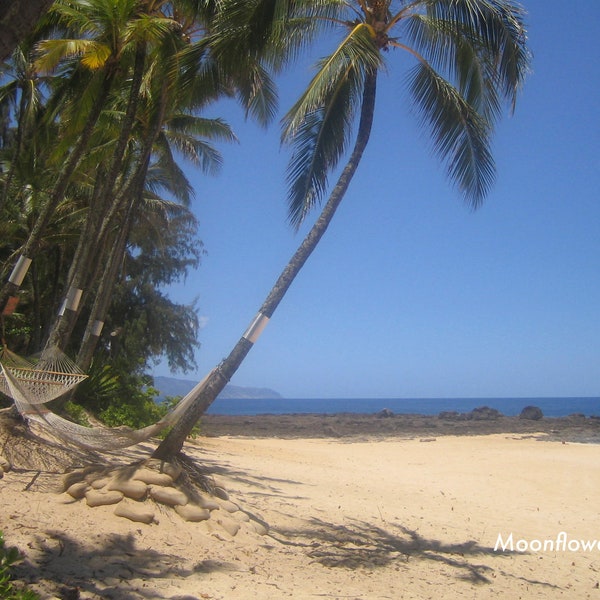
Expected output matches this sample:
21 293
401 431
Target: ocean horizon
551 407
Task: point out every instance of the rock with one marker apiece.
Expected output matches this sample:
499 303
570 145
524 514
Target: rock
260 528
152 477
208 503
385 413
451 415
73 477
78 490
169 496
100 498
484 413
219 492
531 413
136 490
174 470
229 525
193 514
139 513
229 506
99 483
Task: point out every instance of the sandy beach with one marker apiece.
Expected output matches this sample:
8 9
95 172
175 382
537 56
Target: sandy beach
387 517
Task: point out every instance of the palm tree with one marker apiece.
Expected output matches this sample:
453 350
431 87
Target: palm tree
98 35
469 56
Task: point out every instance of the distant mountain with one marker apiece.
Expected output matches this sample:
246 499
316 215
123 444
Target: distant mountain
171 386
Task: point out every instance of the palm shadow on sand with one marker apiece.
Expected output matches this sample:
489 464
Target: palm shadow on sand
67 568
365 545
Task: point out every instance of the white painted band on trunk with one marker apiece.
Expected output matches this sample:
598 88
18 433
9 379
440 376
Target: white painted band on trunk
73 298
20 270
256 328
96 328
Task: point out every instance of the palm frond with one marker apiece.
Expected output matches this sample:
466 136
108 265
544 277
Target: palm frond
496 30
320 124
212 129
257 93
460 134
93 54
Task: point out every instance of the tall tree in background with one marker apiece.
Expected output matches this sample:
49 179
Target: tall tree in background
470 57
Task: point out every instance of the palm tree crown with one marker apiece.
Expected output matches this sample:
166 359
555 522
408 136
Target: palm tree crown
470 56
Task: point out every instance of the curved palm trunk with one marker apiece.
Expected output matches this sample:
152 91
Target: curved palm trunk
174 441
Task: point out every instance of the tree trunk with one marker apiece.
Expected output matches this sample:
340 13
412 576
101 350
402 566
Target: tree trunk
131 193
18 18
104 293
174 441
90 246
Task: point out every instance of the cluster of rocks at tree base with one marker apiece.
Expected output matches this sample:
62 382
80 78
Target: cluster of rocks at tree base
136 491
481 413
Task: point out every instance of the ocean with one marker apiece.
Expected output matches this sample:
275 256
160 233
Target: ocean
551 407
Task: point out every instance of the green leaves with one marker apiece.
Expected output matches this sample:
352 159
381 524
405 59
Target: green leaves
8 557
471 57
320 124
460 134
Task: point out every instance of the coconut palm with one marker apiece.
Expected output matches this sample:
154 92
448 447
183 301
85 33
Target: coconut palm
469 57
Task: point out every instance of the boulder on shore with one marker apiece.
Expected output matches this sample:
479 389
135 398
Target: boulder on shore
484 413
531 413
384 413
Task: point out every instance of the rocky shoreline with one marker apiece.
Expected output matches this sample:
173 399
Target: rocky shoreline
483 421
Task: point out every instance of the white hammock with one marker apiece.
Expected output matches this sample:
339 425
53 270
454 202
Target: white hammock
51 376
93 438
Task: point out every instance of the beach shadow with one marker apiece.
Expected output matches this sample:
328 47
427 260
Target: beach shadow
365 545
264 486
67 568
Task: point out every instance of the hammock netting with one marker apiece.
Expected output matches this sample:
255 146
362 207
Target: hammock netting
31 384
42 380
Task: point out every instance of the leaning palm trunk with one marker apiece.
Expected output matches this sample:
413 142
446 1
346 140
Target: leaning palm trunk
104 294
217 380
90 240
126 200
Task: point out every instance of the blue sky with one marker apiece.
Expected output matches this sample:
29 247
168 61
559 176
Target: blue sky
410 293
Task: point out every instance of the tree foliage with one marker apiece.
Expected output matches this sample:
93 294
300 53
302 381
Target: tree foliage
99 108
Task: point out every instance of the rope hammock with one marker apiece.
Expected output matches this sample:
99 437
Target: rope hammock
46 379
22 386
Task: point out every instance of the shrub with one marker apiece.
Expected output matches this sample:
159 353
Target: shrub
8 591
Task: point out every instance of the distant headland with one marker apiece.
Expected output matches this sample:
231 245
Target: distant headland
172 386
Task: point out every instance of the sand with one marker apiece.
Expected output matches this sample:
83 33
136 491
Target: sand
353 518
